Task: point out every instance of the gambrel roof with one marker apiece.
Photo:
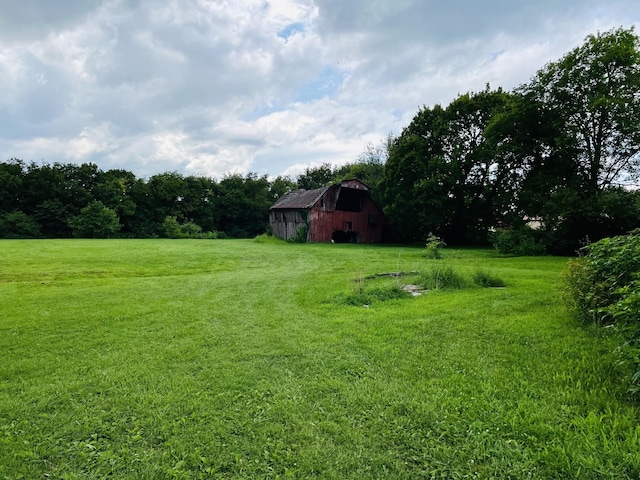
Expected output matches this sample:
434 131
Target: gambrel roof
307 198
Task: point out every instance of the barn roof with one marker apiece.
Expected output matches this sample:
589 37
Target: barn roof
300 198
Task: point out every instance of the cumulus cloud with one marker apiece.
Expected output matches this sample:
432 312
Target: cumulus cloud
207 87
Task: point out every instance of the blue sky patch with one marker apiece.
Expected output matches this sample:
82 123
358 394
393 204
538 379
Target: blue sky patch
290 30
325 84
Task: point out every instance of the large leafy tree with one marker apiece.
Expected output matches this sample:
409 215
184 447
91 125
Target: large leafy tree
413 185
592 95
577 132
480 179
444 174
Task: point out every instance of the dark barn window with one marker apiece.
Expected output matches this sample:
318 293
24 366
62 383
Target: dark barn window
349 200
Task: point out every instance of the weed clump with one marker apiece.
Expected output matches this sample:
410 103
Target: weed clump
267 238
441 278
433 247
485 279
372 295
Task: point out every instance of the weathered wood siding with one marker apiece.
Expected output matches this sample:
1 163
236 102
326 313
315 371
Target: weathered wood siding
286 222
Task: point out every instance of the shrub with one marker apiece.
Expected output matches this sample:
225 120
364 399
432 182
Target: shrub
171 227
191 229
301 234
522 241
600 277
440 278
602 287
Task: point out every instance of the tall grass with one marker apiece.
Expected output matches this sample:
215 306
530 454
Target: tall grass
232 359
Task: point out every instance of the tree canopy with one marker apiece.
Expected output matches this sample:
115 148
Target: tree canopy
557 149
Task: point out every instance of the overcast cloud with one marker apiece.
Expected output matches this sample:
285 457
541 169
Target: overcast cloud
209 87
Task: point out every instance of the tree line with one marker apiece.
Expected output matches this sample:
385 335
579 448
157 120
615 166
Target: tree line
64 200
561 152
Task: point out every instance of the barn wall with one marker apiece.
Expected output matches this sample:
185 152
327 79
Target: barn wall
286 222
324 223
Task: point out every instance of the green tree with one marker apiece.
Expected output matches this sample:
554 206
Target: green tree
593 96
11 178
413 189
199 202
316 177
95 221
113 188
244 203
168 191
444 175
171 227
17 224
577 132
281 185
480 182
143 223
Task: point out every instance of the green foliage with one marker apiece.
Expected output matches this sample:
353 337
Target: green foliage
301 234
316 177
267 238
433 247
442 278
557 148
53 195
174 229
171 227
592 94
17 224
521 241
444 174
602 287
191 229
486 279
95 221
601 276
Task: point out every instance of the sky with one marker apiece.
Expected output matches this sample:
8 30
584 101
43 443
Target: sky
214 87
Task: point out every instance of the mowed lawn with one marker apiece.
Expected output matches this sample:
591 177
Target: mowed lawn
238 359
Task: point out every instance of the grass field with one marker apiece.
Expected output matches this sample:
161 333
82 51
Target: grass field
238 359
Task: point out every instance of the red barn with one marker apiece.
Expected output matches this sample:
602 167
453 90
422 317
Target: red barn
344 212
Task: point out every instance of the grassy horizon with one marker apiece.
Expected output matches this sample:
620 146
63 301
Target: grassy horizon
239 359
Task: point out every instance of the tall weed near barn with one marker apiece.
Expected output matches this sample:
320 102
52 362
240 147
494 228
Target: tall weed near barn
230 359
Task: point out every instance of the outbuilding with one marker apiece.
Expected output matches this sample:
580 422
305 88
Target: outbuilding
343 212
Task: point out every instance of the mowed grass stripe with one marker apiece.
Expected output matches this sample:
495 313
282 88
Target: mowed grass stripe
231 359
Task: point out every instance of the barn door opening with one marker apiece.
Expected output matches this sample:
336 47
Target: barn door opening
340 236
